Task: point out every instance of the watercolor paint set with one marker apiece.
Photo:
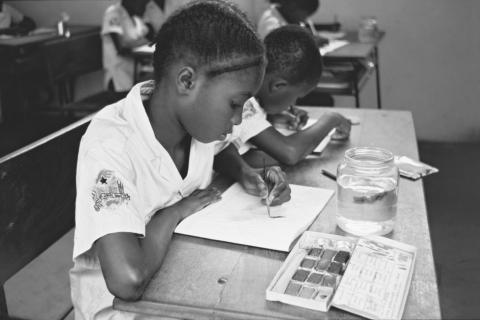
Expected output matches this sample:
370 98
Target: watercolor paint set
366 276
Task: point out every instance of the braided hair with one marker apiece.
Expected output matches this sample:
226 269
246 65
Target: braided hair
214 36
293 54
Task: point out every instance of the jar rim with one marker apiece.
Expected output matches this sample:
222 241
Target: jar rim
369 156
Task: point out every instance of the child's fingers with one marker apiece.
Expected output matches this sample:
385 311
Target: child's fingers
262 189
280 191
303 120
280 194
255 185
208 196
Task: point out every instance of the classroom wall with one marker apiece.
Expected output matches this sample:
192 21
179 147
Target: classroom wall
429 61
429 57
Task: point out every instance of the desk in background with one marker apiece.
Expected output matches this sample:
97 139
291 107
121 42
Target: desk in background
348 68
47 60
205 279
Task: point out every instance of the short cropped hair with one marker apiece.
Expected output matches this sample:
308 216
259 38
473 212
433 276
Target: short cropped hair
309 6
293 55
214 36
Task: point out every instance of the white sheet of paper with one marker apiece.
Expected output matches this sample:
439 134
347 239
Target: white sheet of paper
242 218
146 48
310 122
332 46
331 35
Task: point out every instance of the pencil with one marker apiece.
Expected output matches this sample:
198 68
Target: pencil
268 191
329 175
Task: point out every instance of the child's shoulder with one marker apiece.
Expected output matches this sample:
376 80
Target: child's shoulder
115 10
108 130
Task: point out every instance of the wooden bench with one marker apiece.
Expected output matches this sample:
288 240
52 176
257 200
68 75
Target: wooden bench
37 197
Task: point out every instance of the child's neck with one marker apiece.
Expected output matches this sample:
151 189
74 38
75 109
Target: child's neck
261 94
166 127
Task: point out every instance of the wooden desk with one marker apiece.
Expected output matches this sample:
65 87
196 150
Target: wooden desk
361 58
46 60
204 279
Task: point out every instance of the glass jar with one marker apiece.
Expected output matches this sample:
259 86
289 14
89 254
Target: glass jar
368 29
367 191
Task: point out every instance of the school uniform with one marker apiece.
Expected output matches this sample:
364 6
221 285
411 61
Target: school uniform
124 176
9 16
118 68
154 15
254 121
271 19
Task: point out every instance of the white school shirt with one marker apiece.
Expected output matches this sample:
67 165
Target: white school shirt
9 15
124 175
119 68
154 15
271 19
254 121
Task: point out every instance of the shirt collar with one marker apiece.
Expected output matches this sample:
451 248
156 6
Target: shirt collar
136 115
276 13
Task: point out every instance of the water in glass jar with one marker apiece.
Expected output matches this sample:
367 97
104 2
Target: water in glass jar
366 206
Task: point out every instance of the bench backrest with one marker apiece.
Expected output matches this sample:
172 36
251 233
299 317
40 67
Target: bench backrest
37 197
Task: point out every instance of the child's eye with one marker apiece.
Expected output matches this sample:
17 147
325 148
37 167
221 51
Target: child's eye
235 105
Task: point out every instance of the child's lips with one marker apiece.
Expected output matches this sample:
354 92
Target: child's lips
223 136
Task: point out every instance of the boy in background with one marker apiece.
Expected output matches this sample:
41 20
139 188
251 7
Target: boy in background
293 69
284 12
155 14
13 22
123 29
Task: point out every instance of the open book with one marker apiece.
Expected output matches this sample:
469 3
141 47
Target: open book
242 218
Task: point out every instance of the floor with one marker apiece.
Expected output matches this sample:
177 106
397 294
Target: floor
451 196
452 199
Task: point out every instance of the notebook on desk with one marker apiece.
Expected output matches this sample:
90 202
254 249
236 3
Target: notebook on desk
332 46
242 218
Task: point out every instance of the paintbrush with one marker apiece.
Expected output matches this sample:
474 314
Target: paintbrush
268 189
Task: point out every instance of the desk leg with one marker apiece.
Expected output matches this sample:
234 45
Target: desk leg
3 303
135 62
377 76
357 93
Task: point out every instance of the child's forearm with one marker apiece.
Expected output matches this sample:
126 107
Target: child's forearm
158 235
291 149
307 140
128 263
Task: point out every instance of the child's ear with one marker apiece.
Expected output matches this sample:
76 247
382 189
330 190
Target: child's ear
277 85
186 80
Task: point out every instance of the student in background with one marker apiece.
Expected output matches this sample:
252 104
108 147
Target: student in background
294 66
122 30
13 22
145 162
283 12
155 14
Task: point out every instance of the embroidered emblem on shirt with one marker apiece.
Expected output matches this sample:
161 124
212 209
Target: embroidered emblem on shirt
114 21
249 110
108 191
